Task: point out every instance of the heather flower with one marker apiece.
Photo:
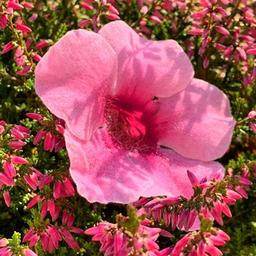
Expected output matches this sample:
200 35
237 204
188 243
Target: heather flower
136 119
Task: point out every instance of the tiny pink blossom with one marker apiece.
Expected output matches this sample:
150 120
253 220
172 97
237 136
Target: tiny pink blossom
126 130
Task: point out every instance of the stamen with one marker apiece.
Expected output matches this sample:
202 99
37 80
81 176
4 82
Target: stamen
128 127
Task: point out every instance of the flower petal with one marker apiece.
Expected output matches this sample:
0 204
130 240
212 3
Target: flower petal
72 78
156 68
197 123
104 173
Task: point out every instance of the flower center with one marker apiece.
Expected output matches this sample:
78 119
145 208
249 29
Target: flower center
129 126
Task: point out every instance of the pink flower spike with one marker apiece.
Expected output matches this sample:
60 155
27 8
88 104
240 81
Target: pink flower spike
19 160
7 47
7 198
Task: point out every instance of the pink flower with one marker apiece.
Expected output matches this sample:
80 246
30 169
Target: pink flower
136 119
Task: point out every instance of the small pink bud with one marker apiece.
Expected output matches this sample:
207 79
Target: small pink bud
155 19
28 252
7 198
195 31
34 201
9 169
42 44
222 30
7 47
16 144
33 17
253 127
39 136
68 187
35 116
49 142
3 242
112 9
86 6
252 114
3 21
144 9
19 160
112 16
241 53
205 63
23 28
37 57
24 71
251 51
28 5
6 180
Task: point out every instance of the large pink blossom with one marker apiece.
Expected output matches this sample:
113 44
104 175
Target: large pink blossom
136 119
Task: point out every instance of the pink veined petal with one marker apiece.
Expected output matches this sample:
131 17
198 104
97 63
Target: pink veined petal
104 173
146 67
197 123
73 77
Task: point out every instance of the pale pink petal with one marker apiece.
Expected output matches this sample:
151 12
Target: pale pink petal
156 68
196 123
73 77
103 173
